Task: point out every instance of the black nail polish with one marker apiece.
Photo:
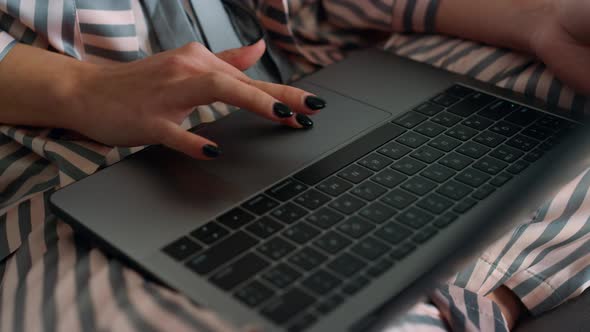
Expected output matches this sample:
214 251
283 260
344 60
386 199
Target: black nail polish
304 120
315 103
211 151
282 111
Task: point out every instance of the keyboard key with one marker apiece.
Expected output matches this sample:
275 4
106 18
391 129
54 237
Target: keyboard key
505 128
253 294
399 199
498 110
414 218
334 186
348 154
427 154
286 190
412 139
459 91
355 227
523 143
534 155
181 248
307 259
332 242
264 227
260 204
394 150
445 99
478 123
454 190
419 185
484 191
424 235
289 213
435 204
472 177
465 205
461 132
490 139
312 199
236 218
430 129
276 248
523 116
490 165
402 251
355 285
301 233
518 167
471 105
325 218
346 265
355 173
379 268
210 233
445 220
239 271
473 150
446 119
347 204
506 153
501 179
281 276
410 119
221 253
438 173
375 162
456 161
409 166
429 109
368 190
377 212
445 143
370 248
321 282
537 132
281 309
393 233
389 178
302 322
330 303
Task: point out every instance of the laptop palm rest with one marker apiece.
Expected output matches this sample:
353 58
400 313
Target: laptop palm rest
178 193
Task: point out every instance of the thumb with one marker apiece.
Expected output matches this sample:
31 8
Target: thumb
244 57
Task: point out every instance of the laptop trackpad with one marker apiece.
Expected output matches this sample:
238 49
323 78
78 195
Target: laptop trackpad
257 152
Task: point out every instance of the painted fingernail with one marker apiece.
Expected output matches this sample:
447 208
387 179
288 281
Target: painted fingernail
282 111
211 151
315 103
304 120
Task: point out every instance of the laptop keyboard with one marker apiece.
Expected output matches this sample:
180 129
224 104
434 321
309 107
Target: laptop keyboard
300 249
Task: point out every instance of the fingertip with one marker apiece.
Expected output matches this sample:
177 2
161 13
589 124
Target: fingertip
314 103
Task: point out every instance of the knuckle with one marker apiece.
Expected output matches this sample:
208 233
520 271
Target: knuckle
176 62
216 81
196 48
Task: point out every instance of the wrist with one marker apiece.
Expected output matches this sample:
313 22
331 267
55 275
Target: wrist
72 95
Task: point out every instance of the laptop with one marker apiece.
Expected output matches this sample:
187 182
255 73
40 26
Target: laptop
409 171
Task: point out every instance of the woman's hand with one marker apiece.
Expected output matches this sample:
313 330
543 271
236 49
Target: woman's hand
562 41
144 102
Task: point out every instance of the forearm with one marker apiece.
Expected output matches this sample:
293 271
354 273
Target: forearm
503 23
36 87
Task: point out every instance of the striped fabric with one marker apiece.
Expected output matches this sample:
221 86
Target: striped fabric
50 280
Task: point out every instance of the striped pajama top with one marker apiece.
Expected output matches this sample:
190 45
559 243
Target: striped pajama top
51 281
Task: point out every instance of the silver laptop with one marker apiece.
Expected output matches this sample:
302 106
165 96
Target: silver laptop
408 171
